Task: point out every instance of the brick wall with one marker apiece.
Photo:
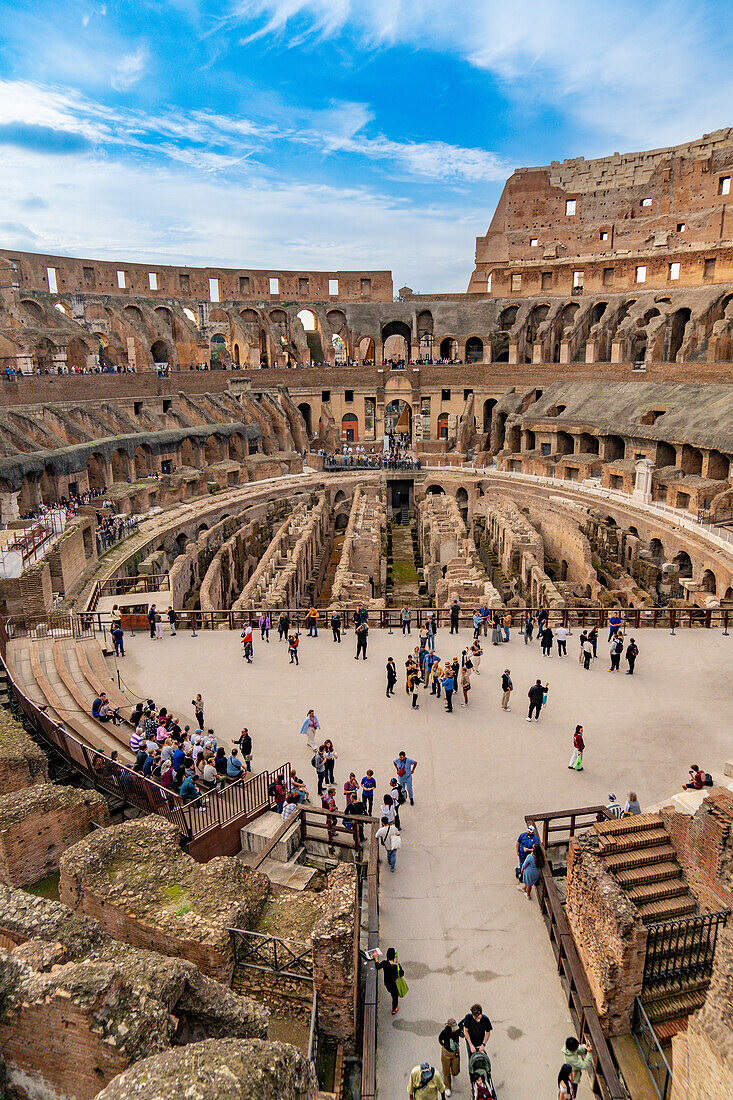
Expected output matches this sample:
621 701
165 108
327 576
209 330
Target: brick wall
38 824
609 937
335 943
703 845
22 763
702 1060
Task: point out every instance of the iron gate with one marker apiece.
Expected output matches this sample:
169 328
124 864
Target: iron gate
679 951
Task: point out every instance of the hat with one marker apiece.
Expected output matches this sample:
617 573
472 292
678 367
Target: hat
451 1023
506 671
612 798
530 828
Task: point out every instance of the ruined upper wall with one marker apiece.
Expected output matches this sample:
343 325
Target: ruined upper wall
73 274
665 205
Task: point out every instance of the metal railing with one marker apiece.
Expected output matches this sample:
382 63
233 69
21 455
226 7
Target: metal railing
682 950
57 624
272 954
605 1081
142 582
669 618
651 1051
371 985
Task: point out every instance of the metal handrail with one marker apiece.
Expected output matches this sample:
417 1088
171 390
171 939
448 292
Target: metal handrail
651 1051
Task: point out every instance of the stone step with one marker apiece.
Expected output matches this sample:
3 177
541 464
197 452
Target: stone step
667 1029
629 877
656 891
293 873
631 841
639 857
636 824
654 912
680 1003
258 834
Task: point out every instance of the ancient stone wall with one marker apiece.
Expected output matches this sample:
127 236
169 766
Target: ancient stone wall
453 569
609 937
39 823
22 763
135 880
358 573
335 944
520 551
702 1056
704 847
282 574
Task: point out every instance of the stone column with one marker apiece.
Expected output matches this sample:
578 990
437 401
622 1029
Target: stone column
564 351
644 468
9 509
513 351
590 351
537 351
616 349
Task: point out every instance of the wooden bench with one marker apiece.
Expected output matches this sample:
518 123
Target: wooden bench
88 732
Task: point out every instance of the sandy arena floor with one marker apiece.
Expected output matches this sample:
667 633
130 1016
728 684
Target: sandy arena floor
462 930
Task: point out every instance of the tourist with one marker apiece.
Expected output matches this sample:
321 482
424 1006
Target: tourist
506 624
526 841
390 840
297 787
586 651
465 684
318 761
537 696
362 633
328 802
576 760
336 626
593 636
136 737
290 807
432 629
351 788
496 634
632 652
188 791
264 625
368 786
476 1029
245 744
614 623
391 676
455 612
390 809
528 627
390 973
425 1083
405 767
234 765
697 778
617 648
293 642
477 621
614 807
312 622
542 617
534 861
309 727
405 617
331 758
158 625
172 620
248 643
546 640
507 687
151 619
565 1086
103 711
413 683
283 625
450 1053
476 654
449 686
632 806
279 794
118 640
436 676
198 707
561 637
220 763
579 1057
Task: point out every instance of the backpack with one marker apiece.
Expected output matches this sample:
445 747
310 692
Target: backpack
401 796
708 779
313 761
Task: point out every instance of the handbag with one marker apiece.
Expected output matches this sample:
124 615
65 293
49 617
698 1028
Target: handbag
401 771
395 842
401 985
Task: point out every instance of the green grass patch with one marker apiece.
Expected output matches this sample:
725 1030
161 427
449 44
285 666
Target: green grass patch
405 572
47 887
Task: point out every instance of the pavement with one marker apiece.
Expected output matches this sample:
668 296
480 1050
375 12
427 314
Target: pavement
462 930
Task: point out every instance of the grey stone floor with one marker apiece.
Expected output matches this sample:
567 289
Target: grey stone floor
462 930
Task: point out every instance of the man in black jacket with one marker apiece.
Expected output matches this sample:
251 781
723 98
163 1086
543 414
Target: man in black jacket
362 632
454 613
536 695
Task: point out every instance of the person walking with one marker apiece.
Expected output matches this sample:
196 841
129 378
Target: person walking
465 684
450 1053
506 624
561 637
331 758
264 625
405 617
586 652
318 761
283 625
576 760
593 636
496 634
426 1083
293 643
632 652
158 625
476 1029
391 676
565 1087
312 621
449 686
455 612
536 696
477 623
362 633
172 620
534 861
308 729
118 640
413 683
390 968
507 687
476 654
390 840
546 641
247 643
151 619
198 709
432 630
579 1057
405 767
368 786
336 626
528 627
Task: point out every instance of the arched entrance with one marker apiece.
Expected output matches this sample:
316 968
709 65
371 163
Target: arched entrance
443 426
307 413
449 348
217 350
349 428
398 417
366 350
474 350
396 338
684 564
159 352
489 406
96 473
708 582
143 461
121 466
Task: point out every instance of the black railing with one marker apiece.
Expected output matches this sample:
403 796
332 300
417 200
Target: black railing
287 958
681 951
376 462
141 582
651 1051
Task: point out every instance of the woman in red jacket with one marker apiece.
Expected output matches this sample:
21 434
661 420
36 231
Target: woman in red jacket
576 760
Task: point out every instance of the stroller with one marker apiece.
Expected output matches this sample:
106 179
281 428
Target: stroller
479 1074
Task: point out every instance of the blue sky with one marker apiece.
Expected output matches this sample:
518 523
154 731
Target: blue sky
327 133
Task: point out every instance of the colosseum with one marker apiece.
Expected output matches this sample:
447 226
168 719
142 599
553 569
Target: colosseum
202 463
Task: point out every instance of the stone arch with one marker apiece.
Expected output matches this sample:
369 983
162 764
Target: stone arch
132 313
396 337
529 440
508 318
684 564
666 455
212 449
308 320
474 350
424 323
29 495
338 323
678 323
33 310
307 413
48 485
398 416
366 349
709 583
97 472
121 466
236 447
443 426
143 461
449 348
187 453
340 495
657 550
588 444
217 349
159 351
615 448
435 490
488 410
691 461
565 444
165 315
250 316
718 465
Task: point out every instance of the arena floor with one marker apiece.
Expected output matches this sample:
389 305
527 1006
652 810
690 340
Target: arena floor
462 931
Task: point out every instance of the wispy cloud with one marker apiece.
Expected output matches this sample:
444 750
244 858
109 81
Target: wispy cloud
129 69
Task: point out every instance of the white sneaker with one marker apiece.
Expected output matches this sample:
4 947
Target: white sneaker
528 719
448 1092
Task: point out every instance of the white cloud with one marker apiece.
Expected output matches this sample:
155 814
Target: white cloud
129 69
